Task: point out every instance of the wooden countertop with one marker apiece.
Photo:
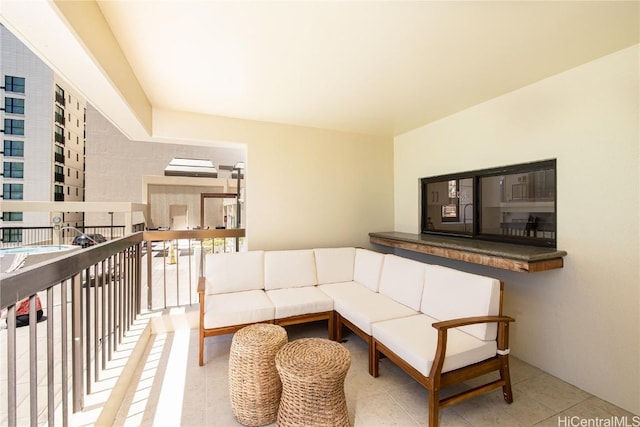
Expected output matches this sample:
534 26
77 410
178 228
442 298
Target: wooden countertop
506 256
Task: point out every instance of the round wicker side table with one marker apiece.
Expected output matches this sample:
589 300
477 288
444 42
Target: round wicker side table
254 384
312 371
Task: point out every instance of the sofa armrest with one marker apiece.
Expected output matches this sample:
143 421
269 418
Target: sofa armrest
444 326
464 321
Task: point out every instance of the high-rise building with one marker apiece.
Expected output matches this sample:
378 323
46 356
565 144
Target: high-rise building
43 147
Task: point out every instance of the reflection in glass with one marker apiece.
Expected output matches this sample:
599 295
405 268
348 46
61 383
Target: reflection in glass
519 204
449 206
514 204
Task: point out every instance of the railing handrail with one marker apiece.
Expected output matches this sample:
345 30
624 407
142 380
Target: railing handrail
32 279
28 281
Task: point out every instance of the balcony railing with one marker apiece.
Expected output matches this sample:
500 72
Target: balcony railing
90 300
45 235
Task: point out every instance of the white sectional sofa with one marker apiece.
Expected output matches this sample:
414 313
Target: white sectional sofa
442 326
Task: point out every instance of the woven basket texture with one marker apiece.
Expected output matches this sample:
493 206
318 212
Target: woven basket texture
254 384
312 371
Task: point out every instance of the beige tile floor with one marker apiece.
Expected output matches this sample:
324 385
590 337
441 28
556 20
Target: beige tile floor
171 389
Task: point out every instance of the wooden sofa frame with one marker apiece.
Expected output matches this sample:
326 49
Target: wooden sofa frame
285 321
437 380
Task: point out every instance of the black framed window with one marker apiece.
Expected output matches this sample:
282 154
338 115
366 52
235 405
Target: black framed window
58 173
59 115
11 235
13 127
14 84
13 169
14 105
12 216
12 191
60 96
13 148
58 133
515 203
58 193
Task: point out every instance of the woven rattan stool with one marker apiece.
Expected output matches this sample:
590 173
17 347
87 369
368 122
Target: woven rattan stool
312 371
254 384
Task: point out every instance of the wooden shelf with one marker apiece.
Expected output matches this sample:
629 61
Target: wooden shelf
506 256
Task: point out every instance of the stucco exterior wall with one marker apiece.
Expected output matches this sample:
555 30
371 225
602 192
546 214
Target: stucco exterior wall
581 322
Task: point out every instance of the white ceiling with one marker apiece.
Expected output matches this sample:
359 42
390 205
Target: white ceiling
378 68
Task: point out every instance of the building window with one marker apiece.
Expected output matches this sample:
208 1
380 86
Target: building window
14 84
513 204
58 154
13 148
59 115
58 134
12 191
13 170
60 95
11 235
58 193
14 105
13 127
12 216
58 173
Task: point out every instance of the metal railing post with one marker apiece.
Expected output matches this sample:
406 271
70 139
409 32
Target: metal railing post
76 350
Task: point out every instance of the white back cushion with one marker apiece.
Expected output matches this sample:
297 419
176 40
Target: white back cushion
402 279
451 294
289 269
367 267
334 265
234 272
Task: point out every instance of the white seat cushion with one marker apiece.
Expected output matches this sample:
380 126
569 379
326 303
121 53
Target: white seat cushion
289 269
414 340
402 279
334 265
237 308
442 298
297 301
234 272
367 267
361 306
335 290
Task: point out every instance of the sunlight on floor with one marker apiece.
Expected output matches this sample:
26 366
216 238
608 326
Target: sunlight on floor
169 411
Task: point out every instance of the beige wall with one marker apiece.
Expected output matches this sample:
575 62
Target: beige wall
305 187
580 323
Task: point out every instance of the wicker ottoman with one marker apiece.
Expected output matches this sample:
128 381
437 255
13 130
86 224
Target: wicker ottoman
312 371
254 384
